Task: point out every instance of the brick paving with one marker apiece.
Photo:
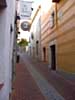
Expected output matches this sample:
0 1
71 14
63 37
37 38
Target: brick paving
62 85
47 89
24 85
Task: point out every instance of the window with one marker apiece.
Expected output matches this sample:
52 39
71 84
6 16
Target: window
32 36
52 20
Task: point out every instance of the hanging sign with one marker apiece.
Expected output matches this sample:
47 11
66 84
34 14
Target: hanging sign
25 9
25 26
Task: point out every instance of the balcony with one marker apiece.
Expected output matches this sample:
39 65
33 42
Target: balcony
3 4
56 1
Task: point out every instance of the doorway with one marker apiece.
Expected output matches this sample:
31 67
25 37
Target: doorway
37 47
53 57
44 53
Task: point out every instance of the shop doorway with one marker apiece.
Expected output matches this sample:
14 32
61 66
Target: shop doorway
53 57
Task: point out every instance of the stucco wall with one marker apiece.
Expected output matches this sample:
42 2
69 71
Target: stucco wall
6 43
36 30
63 33
66 39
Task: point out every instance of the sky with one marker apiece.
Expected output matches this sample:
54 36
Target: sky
46 4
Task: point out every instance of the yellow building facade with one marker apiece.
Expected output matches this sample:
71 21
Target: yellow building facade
58 36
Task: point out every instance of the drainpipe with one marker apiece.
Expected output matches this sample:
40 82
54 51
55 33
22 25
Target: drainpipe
56 11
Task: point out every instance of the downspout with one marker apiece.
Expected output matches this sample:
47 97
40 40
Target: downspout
56 11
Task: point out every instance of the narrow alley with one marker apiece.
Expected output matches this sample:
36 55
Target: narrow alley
34 81
37 49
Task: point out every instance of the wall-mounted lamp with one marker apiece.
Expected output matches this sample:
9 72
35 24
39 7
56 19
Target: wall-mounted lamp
32 36
18 32
11 28
32 9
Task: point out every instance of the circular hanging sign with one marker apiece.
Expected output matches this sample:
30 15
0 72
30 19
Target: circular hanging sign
25 26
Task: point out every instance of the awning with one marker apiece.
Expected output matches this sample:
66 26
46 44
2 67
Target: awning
2 4
55 1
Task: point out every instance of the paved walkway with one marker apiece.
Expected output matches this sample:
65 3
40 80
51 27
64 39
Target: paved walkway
64 86
25 87
35 81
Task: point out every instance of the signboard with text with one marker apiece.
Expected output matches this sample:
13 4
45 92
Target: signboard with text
25 9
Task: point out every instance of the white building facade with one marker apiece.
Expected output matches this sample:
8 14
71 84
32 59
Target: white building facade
7 16
35 43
